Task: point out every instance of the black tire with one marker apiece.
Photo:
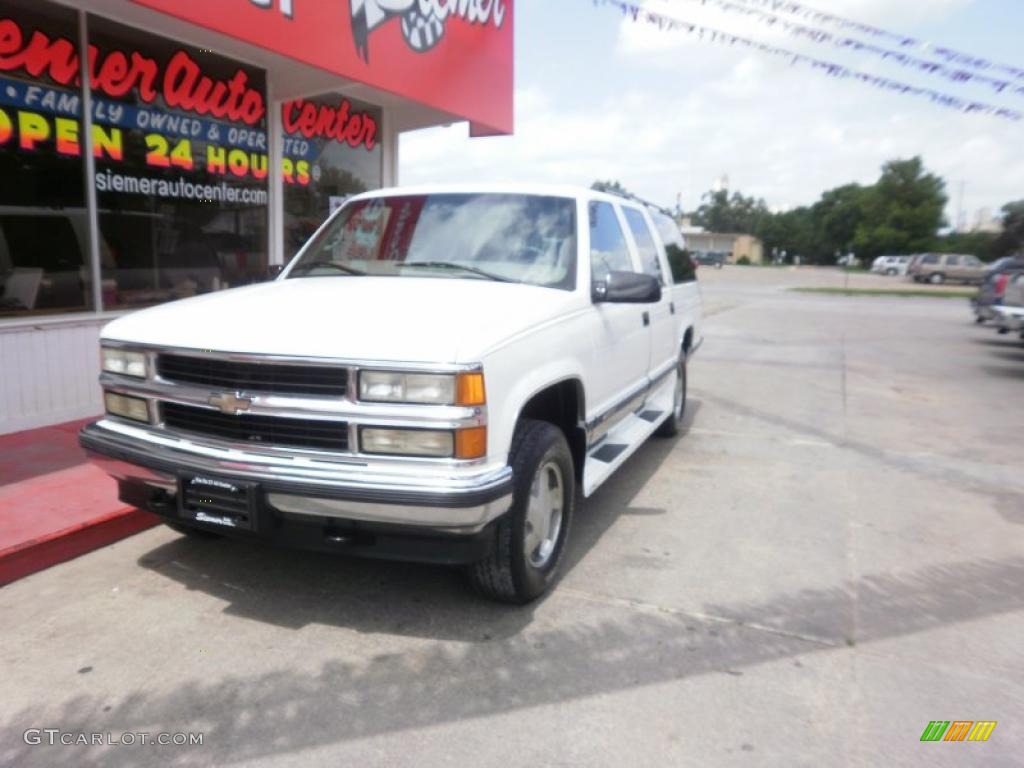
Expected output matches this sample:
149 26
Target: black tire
936 278
507 573
671 426
188 530
890 272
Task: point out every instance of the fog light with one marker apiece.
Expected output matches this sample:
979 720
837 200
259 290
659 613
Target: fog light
133 408
407 442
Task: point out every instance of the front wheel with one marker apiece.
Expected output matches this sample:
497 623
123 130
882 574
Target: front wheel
529 540
671 426
937 278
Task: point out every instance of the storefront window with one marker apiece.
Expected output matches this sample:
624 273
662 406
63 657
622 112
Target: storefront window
181 167
44 263
332 150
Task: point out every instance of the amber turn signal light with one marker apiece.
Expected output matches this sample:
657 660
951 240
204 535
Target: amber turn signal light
471 443
469 389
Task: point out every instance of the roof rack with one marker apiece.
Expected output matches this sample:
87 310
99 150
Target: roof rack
649 204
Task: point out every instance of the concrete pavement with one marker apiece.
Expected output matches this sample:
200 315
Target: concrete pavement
831 557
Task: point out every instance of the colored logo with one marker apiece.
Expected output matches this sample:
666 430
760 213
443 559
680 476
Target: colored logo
231 403
958 730
423 21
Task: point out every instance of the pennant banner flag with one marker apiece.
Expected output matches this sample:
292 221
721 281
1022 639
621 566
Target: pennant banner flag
999 85
670 24
951 56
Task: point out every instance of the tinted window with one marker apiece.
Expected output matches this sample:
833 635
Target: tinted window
930 259
644 243
953 261
679 261
321 171
179 215
43 224
608 250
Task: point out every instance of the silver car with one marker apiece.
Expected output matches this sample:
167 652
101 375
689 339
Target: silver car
1009 316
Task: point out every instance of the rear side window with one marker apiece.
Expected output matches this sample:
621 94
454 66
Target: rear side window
645 244
679 260
608 251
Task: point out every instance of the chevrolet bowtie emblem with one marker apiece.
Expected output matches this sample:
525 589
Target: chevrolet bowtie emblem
230 403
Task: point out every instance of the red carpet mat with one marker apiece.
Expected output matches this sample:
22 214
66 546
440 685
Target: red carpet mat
54 505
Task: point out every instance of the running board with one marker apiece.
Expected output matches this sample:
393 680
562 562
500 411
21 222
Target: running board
624 438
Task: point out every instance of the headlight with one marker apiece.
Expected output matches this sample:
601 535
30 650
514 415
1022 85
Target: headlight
407 442
123 362
422 388
133 408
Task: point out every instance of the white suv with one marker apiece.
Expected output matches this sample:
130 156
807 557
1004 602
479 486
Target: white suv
431 378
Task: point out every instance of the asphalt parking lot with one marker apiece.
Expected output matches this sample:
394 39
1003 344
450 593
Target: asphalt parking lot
831 557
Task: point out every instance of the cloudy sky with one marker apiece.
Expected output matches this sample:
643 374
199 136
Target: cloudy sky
600 97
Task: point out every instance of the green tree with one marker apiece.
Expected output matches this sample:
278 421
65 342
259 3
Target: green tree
1011 240
611 188
836 218
791 231
736 214
902 212
980 244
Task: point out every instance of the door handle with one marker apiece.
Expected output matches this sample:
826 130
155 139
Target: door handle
672 307
647 319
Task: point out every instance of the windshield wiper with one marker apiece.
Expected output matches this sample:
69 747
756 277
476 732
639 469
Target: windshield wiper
307 268
463 267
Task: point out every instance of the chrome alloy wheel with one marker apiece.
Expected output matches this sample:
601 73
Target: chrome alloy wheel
544 514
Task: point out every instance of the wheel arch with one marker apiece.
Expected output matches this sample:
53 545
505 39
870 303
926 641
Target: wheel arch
687 344
562 403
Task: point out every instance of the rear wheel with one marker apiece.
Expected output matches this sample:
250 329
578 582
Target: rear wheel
529 540
890 272
670 427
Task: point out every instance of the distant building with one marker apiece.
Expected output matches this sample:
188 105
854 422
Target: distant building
733 246
984 221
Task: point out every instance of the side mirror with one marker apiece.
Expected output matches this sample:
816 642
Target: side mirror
274 270
626 288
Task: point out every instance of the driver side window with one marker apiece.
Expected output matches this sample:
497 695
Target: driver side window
608 250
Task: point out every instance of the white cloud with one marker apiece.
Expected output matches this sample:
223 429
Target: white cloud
695 111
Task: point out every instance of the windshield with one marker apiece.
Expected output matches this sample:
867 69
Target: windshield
509 238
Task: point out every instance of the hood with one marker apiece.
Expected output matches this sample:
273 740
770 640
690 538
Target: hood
427 320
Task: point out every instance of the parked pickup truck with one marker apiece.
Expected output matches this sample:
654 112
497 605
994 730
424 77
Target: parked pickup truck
434 377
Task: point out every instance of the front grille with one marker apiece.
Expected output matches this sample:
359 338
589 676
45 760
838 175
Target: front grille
259 430
259 377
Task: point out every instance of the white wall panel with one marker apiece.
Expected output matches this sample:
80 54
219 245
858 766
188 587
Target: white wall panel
48 374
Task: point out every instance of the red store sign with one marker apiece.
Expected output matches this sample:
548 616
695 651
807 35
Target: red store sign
453 55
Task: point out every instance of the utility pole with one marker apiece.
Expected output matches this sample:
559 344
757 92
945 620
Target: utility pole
961 220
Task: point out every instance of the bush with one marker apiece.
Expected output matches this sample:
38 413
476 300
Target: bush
743 261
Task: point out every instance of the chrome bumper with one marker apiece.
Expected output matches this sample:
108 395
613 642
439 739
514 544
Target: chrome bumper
299 487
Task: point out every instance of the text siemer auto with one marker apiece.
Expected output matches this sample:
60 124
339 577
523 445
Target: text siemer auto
181 84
